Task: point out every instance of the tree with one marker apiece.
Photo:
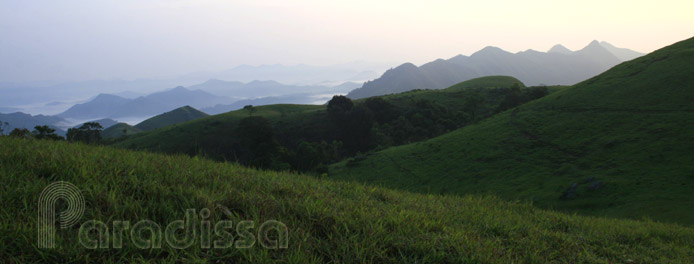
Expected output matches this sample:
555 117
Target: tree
89 133
339 107
45 132
383 110
536 92
513 98
258 146
20 133
3 126
357 132
473 102
250 109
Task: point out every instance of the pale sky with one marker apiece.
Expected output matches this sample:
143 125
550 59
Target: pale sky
94 39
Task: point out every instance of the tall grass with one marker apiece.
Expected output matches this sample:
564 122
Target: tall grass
328 222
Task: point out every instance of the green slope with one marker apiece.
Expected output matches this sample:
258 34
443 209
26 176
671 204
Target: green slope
119 130
487 82
327 222
419 111
178 115
214 135
631 128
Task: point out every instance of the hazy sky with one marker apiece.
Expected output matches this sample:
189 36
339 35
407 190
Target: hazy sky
94 39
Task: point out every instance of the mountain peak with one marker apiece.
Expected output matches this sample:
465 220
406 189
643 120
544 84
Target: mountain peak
179 89
594 44
594 47
105 95
489 50
621 53
559 49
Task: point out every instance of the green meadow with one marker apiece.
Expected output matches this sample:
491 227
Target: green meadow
327 221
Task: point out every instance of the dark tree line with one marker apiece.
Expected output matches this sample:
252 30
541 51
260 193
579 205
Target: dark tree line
89 133
3 126
366 125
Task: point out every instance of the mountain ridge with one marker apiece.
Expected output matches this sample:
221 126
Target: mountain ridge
560 67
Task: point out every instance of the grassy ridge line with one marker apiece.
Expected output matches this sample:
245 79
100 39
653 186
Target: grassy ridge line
630 127
187 136
178 115
119 130
328 221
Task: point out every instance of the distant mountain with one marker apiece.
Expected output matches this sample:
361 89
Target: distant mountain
119 130
102 105
22 120
34 93
557 66
176 116
621 53
112 106
270 92
256 89
559 49
303 74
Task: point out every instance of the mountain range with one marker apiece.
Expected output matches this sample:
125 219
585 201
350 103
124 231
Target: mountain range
257 89
558 66
214 95
113 106
22 120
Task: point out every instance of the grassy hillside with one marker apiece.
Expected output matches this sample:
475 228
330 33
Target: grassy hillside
624 137
213 135
178 115
119 130
372 123
327 221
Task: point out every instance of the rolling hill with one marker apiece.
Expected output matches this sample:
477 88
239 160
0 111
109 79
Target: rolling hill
373 123
214 135
325 221
119 130
618 145
558 66
178 115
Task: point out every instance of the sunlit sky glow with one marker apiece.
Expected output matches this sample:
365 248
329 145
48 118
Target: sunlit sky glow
89 39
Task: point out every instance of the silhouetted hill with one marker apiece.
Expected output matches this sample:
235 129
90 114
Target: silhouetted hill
559 49
560 66
22 120
111 106
175 116
119 130
621 53
101 106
